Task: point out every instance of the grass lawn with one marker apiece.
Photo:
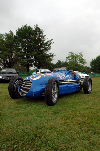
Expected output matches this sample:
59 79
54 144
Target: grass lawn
73 124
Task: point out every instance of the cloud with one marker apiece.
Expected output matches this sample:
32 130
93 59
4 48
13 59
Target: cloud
73 25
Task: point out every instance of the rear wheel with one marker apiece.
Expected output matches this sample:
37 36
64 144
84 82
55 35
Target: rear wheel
51 91
14 86
87 85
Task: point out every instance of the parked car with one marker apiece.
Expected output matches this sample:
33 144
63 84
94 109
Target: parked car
7 74
82 75
48 85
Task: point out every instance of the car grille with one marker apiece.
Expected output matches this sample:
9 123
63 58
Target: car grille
25 87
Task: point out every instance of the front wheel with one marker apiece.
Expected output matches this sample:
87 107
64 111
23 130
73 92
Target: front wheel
51 91
87 85
14 86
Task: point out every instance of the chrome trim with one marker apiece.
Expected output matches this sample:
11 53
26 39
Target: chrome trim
25 87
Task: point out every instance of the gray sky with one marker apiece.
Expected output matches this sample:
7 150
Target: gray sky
73 25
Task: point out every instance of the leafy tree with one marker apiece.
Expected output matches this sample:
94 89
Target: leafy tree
42 57
64 63
95 64
87 69
7 50
25 45
50 66
60 64
19 67
31 47
75 61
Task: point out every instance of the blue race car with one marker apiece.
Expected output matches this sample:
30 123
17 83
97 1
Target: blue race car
50 85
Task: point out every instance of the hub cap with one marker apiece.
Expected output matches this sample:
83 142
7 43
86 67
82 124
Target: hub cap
89 86
54 92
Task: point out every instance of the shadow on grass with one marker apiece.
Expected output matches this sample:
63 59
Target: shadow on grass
30 100
42 99
71 94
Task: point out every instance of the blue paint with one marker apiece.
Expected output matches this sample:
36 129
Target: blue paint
68 83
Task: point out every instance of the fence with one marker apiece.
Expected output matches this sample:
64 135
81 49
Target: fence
94 74
25 74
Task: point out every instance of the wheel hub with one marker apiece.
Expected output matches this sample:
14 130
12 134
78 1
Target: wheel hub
54 92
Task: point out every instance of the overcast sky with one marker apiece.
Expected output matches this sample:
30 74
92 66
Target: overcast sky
74 25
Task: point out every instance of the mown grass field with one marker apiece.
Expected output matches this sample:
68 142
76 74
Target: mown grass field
73 124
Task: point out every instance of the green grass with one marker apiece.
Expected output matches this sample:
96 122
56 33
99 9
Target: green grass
73 124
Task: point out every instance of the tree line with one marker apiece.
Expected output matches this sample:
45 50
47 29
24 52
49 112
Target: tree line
29 47
76 62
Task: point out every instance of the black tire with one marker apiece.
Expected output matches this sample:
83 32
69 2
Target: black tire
51 91
87 85
14 83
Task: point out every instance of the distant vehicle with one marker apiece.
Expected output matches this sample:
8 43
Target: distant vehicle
82 75
49 85
7 74
42 71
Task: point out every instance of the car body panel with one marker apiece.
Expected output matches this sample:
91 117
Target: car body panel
68 88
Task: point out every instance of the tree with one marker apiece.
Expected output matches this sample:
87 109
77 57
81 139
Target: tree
95 64
42 57
50 66
60 64
19 67
25 45
64 63
75 61
32 47
87 69
7 50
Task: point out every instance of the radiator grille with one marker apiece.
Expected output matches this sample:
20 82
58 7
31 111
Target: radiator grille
25 87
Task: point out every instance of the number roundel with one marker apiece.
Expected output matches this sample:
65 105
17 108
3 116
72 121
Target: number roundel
36 77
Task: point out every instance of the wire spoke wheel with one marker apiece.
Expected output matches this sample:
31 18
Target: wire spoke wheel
13 87
17 85
54 92
89 86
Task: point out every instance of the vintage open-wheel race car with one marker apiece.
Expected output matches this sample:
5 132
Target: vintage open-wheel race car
49 85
